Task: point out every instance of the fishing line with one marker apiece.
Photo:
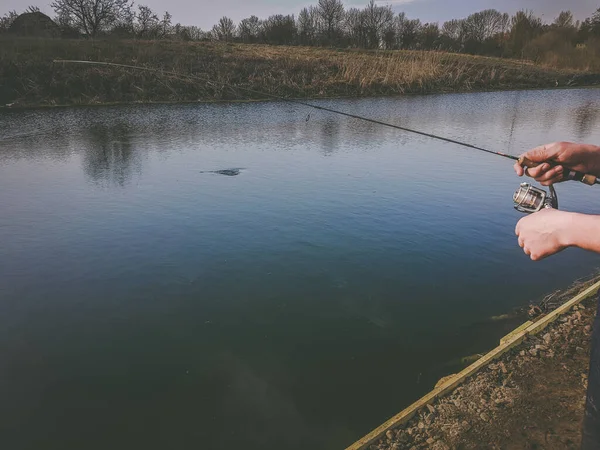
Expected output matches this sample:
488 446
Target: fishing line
289 100
570 174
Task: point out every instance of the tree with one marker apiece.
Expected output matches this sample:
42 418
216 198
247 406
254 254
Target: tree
147 22
7 20
595 22
93 16
525 27
124 27
331 13
279 29
378 21
32 9
165 25
430 36
249 29
355 27
224 30
564 20
308 25
452 35
484 25
407 31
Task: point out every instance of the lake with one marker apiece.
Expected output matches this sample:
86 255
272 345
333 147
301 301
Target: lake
146 302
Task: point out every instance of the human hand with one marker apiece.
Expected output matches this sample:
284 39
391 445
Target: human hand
558 155
545 233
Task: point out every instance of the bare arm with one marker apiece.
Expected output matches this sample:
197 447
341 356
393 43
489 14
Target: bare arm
584 232
550 231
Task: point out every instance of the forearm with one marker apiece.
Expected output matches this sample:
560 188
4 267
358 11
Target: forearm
584 232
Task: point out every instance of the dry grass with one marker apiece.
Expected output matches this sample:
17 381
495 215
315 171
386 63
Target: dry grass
28 76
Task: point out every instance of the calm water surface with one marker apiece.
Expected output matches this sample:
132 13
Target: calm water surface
144 304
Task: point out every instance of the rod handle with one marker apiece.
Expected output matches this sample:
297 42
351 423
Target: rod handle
574 175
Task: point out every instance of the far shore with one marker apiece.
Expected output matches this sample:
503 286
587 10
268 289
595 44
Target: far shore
29 78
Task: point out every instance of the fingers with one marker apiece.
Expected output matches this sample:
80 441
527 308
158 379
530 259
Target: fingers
539 171
546 174
519 170
552 176
542 153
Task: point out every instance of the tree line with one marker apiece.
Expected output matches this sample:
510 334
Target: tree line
329 23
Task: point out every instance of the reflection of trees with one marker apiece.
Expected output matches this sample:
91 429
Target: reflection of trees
585 117
330 135
110 158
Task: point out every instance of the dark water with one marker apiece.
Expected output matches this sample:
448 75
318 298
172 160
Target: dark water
297 304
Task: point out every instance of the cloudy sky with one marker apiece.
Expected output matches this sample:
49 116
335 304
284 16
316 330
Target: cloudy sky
205 13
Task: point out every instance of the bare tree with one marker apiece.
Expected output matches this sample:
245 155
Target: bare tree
224 30
378 20
331 13
453 35
279 29
453 29
355 27
407 31
147 22
93 16
308 25
249 29
485 25
166 26
32 9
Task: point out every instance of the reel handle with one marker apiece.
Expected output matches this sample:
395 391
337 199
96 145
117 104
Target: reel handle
574 175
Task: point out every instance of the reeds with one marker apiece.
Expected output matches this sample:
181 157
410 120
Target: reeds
28 76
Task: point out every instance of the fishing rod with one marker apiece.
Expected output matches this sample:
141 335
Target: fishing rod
527 198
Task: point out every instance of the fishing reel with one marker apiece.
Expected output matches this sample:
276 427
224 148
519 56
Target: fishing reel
530 199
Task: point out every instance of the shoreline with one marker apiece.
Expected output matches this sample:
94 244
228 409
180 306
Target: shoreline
208 72
6 108
497 398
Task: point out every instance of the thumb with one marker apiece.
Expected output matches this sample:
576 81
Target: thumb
541 153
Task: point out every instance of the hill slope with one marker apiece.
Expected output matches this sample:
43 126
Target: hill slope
29 77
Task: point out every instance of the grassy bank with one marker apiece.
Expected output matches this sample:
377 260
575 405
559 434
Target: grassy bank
28 76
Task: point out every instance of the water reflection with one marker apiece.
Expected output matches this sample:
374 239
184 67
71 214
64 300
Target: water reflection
585 117
260 302
329 130
110 156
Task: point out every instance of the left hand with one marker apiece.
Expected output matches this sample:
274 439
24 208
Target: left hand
544 233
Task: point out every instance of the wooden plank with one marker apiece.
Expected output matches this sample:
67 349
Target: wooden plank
448 386
551 317
508 342
515 331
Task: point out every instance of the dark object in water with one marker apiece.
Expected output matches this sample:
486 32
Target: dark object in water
227 172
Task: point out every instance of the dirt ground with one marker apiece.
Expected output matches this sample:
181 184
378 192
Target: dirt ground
531 398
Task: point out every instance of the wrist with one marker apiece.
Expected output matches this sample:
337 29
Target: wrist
594 160
571 230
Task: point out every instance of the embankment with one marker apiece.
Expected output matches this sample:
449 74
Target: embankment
28 76
529 395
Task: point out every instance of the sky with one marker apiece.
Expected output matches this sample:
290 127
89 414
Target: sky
205 13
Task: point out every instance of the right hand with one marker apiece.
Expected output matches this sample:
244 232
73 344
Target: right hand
553 159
